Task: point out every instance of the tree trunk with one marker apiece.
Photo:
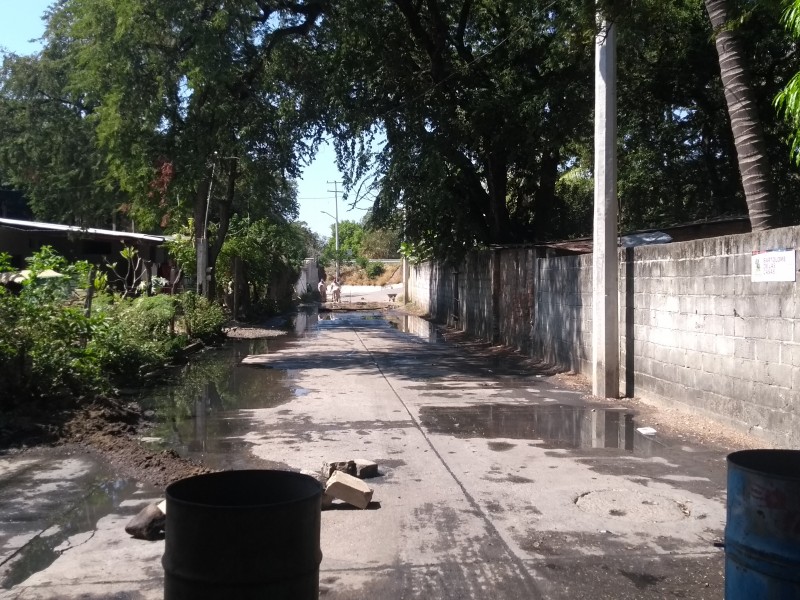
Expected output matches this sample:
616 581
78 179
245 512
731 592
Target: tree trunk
225 209
545 199
499 221
748 134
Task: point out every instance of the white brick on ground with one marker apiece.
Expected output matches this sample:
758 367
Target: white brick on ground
349 489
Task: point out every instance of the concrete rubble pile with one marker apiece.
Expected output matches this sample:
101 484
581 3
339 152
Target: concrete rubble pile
342 481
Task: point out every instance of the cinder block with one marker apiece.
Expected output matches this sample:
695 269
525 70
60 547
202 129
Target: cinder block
790 354
766 305
779 375
148 524
779 329
767 351
725 345
345 466
366 469
723 305
349 489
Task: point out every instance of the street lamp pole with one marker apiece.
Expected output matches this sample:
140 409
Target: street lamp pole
336 234
335 191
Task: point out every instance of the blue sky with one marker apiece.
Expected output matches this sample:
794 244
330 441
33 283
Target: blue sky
20 22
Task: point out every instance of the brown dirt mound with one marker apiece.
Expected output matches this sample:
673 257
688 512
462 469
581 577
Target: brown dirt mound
107 427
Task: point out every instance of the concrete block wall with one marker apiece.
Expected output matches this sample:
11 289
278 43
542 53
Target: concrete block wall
562 329
430 287
495 294
476 307
694 328
419 285
308 277
698 331
515 306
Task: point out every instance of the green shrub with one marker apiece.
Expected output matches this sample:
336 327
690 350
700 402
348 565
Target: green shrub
43 350
362 262
204 319
375 269
50 349
131 334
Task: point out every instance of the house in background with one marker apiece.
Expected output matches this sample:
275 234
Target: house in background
20 239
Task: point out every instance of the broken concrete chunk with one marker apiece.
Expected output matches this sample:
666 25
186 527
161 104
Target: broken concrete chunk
349 489
148 524
366 468
345 466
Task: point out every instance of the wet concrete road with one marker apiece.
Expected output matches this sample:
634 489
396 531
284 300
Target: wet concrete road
495 483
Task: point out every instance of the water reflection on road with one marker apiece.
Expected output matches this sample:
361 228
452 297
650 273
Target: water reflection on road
200 409
198 412
415 326
555 425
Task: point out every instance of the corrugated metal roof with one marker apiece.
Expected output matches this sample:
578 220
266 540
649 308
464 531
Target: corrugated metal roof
37 226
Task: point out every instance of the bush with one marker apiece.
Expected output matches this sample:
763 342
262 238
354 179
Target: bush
129 334
362 262
49 349
204 319
375 269
43 350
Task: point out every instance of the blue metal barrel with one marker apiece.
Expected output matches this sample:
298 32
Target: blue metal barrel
762 532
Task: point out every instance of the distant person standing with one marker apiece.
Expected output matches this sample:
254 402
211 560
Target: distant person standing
321 290
337 290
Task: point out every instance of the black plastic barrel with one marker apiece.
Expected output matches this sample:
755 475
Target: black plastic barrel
248 535
762 532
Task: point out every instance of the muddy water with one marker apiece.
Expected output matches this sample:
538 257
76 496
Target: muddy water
44 502
47 502
200 410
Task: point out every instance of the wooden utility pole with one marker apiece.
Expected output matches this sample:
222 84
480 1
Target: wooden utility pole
605 279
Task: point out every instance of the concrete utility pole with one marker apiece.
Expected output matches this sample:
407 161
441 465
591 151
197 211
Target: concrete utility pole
605 279
202 243
335 191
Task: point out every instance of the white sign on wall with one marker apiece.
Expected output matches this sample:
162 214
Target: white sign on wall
773 265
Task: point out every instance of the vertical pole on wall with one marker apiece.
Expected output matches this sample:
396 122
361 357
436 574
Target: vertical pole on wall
605 294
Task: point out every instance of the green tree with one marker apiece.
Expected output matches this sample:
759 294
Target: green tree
788 99
192 112
351 235
263 258
380 243
48 147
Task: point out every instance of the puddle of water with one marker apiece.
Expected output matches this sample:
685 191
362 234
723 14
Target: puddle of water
415 326
557 425
198 414
75 510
